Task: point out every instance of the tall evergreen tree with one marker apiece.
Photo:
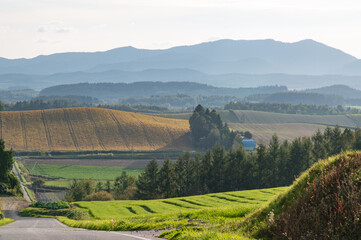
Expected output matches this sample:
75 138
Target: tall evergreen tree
319 145
166 179
147 183
357 142
219 169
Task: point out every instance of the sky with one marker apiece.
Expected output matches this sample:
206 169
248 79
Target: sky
41 27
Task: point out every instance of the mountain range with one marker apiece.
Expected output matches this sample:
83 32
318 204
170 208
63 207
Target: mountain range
227 63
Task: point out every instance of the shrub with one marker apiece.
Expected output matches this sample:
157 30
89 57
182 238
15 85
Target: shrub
55 205
2 215
99 196
76 214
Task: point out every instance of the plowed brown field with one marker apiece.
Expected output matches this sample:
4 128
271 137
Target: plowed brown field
87 129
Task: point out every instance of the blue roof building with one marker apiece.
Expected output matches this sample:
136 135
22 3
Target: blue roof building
249 144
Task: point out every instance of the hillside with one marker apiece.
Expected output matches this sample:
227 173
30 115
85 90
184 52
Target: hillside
322 204
340 90
87 129
116 91
287 126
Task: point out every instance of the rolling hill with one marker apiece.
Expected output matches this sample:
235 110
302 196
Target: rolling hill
87 129
287 126
323 203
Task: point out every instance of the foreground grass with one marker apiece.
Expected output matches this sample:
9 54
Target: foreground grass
210 216
5 221
80 172
130 208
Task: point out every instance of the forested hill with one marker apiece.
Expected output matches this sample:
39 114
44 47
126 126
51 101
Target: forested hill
115 91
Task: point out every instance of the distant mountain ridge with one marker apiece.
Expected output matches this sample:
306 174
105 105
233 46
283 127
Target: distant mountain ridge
219 57
339 90
112 92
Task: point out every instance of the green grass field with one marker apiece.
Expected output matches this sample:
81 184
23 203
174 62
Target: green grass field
210 216
80 172
130 208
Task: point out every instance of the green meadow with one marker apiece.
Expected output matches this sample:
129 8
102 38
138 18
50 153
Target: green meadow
80 172
130 208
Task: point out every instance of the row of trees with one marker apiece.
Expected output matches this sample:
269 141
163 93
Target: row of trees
9 184
291 108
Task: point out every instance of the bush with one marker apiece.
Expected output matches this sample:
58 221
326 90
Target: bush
76 214
2 215
99 196
55 205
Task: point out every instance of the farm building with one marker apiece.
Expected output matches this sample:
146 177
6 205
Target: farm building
249 144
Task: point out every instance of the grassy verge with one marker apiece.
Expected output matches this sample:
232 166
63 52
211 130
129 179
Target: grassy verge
22 179
31 195
5 221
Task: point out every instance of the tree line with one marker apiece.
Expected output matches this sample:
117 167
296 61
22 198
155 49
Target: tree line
217 170
9 184
309 109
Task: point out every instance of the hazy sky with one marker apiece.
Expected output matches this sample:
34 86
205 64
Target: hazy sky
30 28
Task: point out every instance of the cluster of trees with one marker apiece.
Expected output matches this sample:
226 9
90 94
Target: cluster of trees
17 95
9 184
207 129
291 109
123 188
51 102
181 101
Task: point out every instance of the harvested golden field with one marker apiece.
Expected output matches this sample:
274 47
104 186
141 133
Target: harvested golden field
262 133
86 129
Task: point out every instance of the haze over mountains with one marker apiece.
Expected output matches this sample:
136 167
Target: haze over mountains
226 63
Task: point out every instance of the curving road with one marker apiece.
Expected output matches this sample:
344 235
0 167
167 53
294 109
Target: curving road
48 228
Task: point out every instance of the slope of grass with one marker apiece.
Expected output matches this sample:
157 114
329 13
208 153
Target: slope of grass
196 217
80 172
245 116
129 208
324 203
87 129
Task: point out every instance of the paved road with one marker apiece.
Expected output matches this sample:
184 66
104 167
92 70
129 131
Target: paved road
48 228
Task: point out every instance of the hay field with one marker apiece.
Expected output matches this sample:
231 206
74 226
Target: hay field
87 129
262 133
245 116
